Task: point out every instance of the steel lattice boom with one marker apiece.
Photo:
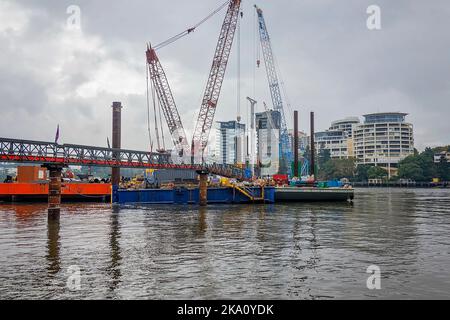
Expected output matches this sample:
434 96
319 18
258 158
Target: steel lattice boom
269 62
215 80
275 92
159 80
26 151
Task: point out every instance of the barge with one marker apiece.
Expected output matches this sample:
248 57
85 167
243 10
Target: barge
296 194
184 195
38 191
232 195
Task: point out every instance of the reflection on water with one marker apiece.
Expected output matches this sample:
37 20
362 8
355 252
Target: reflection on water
114 236
295 251
53 246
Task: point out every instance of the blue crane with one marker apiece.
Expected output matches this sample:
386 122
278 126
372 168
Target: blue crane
275 92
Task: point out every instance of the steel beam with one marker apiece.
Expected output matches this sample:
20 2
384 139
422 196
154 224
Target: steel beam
39 152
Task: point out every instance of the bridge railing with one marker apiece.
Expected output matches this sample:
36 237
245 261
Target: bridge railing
15 150
28 151
227 170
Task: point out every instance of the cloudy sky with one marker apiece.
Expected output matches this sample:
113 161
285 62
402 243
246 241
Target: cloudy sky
331 63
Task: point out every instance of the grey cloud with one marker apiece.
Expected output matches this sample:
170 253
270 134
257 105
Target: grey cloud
17 92
331 63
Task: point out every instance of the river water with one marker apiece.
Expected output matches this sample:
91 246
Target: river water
295 251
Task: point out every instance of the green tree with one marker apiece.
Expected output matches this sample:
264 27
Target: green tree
419 167
326 171
323 157
377 172
345 168
443 169
362 172
426 163
337 169
411 170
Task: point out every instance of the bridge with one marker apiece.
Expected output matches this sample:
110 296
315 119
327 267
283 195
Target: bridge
49 153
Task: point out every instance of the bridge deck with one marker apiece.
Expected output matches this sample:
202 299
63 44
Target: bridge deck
28 151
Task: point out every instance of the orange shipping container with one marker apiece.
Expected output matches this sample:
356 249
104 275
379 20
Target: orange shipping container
67 189
31 174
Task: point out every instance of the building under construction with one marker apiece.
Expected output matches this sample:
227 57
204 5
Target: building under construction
268 125
231 143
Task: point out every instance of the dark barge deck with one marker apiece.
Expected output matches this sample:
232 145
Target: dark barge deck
296 194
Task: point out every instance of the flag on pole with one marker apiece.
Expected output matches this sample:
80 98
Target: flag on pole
57 134
107 141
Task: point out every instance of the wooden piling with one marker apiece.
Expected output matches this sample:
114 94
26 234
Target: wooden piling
116 140
296 171
203 187
312 164
54 190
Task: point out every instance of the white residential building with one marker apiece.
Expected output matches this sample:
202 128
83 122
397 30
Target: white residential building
338 139
383 139
334 141
442 155
346 125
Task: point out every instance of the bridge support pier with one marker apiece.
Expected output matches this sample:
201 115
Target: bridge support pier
54 190
203 187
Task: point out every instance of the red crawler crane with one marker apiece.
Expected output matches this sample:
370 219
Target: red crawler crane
213 86
165 97
215 80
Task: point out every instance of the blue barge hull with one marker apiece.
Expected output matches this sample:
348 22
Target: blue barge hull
189 196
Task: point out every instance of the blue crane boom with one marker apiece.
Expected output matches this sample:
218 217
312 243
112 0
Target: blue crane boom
275 92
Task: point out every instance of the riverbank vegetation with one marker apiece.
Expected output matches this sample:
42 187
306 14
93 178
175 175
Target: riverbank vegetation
420 166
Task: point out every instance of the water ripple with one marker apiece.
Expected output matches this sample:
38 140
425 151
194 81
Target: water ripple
298 251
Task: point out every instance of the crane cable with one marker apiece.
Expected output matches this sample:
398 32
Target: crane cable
238 78
161 125
284 92
189 30
154 112
254 54
257 41
148 108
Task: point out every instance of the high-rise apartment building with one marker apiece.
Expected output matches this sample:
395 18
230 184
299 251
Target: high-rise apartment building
334 141
345 125
338 139
383 140
268 125
231 145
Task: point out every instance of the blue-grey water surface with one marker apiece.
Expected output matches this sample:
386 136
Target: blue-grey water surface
283 251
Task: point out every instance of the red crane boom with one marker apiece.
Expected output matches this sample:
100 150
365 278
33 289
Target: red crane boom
159 80
215 80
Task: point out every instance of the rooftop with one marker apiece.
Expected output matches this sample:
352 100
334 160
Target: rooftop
386 113
233 124
346 120
383 117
